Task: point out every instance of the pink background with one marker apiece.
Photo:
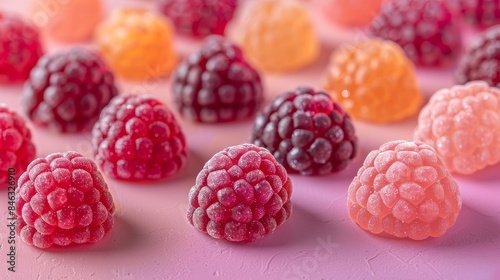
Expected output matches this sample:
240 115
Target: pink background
153 240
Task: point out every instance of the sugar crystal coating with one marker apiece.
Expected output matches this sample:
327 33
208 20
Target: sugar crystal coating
242 194
404 190
425 29
199 18
374 81
63 199
307 132
482 59
277 35
216 84
67 90
20 48
138 44
138 138
69 20
462 123
16 146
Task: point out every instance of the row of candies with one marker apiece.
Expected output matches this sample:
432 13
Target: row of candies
243 192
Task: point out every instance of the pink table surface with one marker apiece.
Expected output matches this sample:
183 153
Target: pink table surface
153 240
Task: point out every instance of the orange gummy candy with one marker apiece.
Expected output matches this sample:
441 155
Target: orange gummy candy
374 81
350 13
276 35
137 44
67 21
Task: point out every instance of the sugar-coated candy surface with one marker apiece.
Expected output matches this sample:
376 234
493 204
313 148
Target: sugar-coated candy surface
138 44
349 13
199 18
463 124
137 138
16 147
63 199
307 132
374 81
242 194
404 190
216 84
425 29
20 48
481 13
67 90
277 35
69 20
482 59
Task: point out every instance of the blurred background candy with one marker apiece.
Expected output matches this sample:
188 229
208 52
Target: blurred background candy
276 35
20 48
137 44
199 18
68 21
374 81
481 13
349 12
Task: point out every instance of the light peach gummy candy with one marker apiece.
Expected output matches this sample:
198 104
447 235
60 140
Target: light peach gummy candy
69 20
350 12
404 190
463 124
137 44
276 35
374 81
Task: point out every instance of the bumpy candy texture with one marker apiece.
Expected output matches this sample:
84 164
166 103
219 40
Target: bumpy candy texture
404 190
199 18
63 199
138 138
482 59
67 90
216 84
241 194
277 35
374 81
425 29
481 13
463 124
68 20
16 147
20 48
306 132
137 44
349 13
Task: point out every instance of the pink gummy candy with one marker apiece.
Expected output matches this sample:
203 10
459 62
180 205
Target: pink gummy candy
404 190
463 124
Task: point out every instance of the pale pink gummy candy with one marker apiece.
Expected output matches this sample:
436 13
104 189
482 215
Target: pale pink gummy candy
463 124
404 190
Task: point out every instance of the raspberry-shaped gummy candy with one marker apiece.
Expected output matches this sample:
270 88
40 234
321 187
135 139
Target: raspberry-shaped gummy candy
307 132
69 20
16 147
374 81
138 138
199 18
63 199
277 35
482 59
216 84
463 124
404 190
20 48
349 13
137 44
67 90
241 194
425 29
482 13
